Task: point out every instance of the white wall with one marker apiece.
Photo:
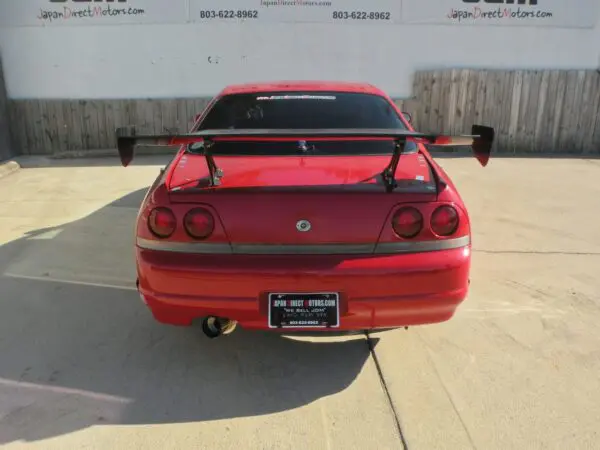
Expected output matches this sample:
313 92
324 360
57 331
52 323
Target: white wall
183 60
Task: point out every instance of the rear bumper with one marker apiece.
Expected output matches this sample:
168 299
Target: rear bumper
376 291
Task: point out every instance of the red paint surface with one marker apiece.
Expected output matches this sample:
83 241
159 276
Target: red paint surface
376 290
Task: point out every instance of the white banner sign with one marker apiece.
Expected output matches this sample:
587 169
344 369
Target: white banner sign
378 12
551 13
88 12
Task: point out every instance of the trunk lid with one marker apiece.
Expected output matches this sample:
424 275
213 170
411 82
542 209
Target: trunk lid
265 199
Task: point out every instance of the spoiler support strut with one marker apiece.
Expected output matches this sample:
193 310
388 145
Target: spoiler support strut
389 173
214 171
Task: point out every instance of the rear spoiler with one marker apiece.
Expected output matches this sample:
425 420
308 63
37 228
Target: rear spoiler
480 141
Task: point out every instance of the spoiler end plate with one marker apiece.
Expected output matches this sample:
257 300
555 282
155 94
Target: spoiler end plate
482 145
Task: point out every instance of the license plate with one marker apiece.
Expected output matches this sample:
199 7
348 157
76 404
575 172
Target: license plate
319 310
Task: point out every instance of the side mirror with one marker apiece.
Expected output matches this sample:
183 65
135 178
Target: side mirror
407 116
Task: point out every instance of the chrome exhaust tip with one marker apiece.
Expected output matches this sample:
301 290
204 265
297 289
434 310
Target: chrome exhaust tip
214 327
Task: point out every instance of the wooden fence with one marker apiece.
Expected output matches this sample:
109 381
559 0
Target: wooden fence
51 126
533 112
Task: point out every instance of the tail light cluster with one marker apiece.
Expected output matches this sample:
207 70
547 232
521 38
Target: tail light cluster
408 221
198 223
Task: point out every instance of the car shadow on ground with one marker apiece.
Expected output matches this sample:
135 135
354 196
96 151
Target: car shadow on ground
78 348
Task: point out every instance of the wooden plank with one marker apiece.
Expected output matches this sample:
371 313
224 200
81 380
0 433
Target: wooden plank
141 111
62 130
502 132
470 99
575 122
11 125
157 118
595 142
590 110
131 116
490 108
44 144
45 128
52 125
460 126
513 127
35 132
585 110
534 80
521 141
558 112
443 123
109 111
145 115
564 130
430 98
480 100
103 123
33 146
493 114
150 117
550 118
169 116
84 121
72 124
435 102
451 98
182 120
90 125
417 90
424 98
26 128
541 126
18 126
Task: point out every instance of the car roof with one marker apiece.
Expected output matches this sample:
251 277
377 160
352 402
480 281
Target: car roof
337 86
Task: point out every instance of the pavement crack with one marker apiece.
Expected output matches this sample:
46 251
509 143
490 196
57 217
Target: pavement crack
437 374
386 391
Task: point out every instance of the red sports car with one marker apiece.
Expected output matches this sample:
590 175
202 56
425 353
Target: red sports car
303 206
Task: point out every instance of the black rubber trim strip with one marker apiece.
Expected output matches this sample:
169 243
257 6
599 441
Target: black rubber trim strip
310 249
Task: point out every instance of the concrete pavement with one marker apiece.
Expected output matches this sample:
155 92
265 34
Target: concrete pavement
84 365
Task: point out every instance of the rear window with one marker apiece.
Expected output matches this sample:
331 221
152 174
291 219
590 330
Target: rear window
306 109
302 110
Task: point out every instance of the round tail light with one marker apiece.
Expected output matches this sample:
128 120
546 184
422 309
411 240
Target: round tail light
199 223
162 222
407 222
444 221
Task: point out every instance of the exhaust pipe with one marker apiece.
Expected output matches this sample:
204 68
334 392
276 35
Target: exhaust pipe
214 327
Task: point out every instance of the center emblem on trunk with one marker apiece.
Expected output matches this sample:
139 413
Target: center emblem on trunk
303 225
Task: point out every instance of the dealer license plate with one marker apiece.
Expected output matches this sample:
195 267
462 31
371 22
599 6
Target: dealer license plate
318 310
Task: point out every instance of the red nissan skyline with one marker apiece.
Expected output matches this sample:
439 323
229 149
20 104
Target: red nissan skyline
303 206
